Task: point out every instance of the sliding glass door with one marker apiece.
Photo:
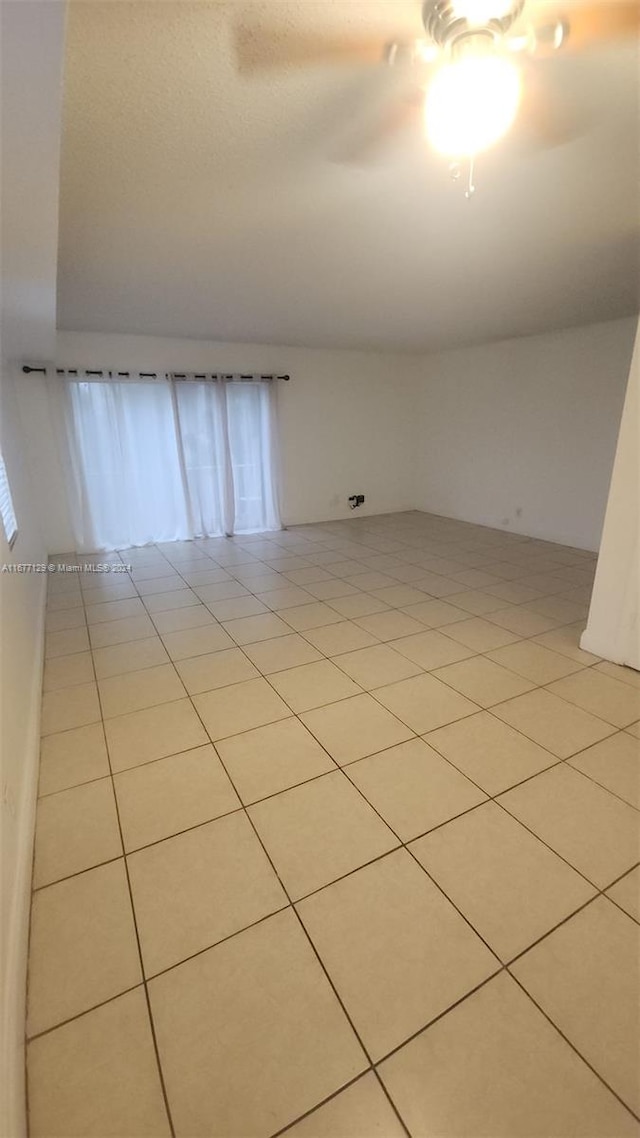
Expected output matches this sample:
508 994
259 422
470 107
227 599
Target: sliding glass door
164 460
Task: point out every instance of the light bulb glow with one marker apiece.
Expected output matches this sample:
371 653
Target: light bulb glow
471 103
482 11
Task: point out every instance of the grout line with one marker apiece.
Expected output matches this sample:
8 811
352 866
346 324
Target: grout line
574 1048
137 933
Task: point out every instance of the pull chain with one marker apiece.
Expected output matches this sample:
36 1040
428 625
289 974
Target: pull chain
471 189
455 171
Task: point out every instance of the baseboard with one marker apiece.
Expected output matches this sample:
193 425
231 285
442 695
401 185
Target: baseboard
13 1115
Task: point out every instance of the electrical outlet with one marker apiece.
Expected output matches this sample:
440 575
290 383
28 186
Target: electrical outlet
356 500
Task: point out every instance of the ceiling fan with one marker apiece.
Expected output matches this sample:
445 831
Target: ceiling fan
476 64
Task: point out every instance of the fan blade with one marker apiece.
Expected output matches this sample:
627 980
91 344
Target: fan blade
547 117
587 25
371 144
256 51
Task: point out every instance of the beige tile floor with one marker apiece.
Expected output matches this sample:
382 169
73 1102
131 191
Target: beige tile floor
338 834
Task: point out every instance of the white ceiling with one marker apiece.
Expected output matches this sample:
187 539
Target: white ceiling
199 202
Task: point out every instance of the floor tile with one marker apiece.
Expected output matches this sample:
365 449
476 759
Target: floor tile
413 788
121 631
522 621
424 703
483 681
372 667
338 638
70 707
173 884
358 605
67 671
114 610
597 833
512 592
490 752
598 950
617 672
215 670
232 1067
396 950
560 609
390 625
399 596
615 702
560 727
425 594
134 691
534 662
191 642
98 1075
173 794
153 734
66 618
119 659
273 758
299 574
362 1109
178 620
304 617
250 629
319 831
476 602
178 599
75 829
435 614
313 685
615 764
166 584
437 586
626 893
480 635
496 1068
371 580
566 641
509 886
237 607
431 649
328 590
64 601
280 653
76 963
285 598
72 757
65 643
355 727
239 707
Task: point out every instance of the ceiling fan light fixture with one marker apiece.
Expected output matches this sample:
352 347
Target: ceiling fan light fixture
471 103
481 12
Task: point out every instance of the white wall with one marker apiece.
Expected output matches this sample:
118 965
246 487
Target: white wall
32 38
345 419
521 434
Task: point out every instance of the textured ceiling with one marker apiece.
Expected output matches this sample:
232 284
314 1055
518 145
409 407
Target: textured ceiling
199 202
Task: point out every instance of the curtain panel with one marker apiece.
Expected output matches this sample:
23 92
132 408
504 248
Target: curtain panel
155 460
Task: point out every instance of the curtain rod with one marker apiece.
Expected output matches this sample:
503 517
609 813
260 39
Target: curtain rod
28 369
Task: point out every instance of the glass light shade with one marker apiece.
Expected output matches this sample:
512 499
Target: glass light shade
471 103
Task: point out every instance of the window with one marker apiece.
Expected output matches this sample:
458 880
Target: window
9 522
6 507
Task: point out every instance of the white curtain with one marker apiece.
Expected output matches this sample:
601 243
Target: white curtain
164 460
